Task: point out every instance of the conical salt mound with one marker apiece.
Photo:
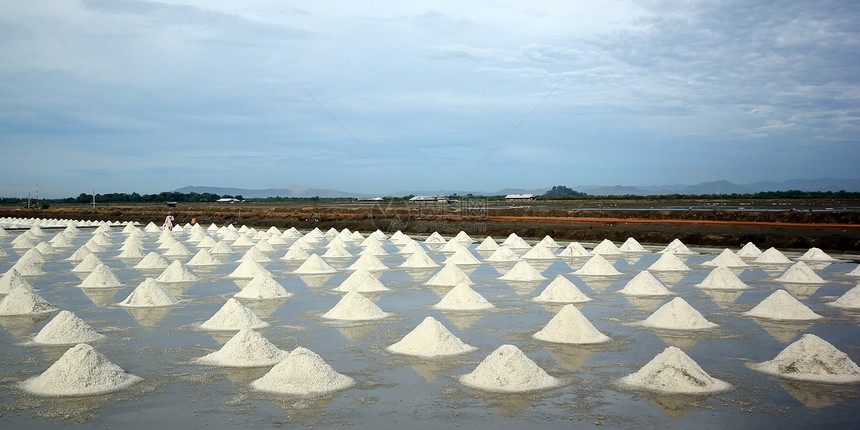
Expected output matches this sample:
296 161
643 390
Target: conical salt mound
430 339
749 251
508 370
606 247
722 278
314 265
27 267
549 242
203 258
849 300
419 260
772 256
81 371
674 372
152 228
677 315
463 298
152 261
263 286
88 264
812 359
302 373
355 307
435 238
233 316
539 252
668 262
503 254
254 253
782 306
246 348
516 242
451 246
574 249
676 247
817 255
448 276
177 272
337 251
66 329
248 269
726 258
463 257
411 246
631 245
463 238
569 325
12 279
80 254
221 248
101 277
488 245
361 281
561 290
368 262
597 266
177 250
523 271
242 242
296 253
132 252
149 293
645 284
800 273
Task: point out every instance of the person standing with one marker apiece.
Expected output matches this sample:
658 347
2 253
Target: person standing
169 220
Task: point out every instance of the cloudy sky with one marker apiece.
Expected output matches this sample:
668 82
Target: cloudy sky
378 97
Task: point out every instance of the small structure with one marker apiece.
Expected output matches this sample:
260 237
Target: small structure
369 199
520 197
227 200
429 199
171 204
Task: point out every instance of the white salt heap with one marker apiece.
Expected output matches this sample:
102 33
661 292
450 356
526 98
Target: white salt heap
817 255
606 247
549 242
246 348
574 249
435 238
79 254
463 298
561 290
674 372
368 262
451 246
569 325
749 251
669 262
233 316
132 252
263 286
430 339
315 265
355 307
849 300
782 306
419 260
523 272
539 252
503 254
488 244
221 248
412 246
631 245
463 257
302 373
463 238
448 276
726 258
81 371
812 359
88 264
508 370
11 279
150 293
177 272
597 266
27 267
35 256
337 251
177 250
248 269
772 256
645 284
374 248
254 253
101 277
66 329
296 253
722 278
516 242
676 247
152 261
800 273
203 258
677 315
361 281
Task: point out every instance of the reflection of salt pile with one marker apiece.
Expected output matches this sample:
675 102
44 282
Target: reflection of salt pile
152 261
246 348
463 298
419 260
669 262
645 284
726 258
800 273
488 245
149 293
523 271
314 265
263 286
177 272
772 256
570 326
233 316
812 359
81 371
248 269
355 307
597 266
817 255
782 306
11 279
430 339
606 247
101 277
631 245
561 290
503 254
361 281
302 373
508 370
676 247
449 275
849 300
574 249
66 329
674 372
677 315
722 278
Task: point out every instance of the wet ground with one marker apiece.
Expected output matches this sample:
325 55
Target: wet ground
394 391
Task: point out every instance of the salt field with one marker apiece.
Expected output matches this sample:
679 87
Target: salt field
128 326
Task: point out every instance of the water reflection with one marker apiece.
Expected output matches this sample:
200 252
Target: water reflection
783 331
150 316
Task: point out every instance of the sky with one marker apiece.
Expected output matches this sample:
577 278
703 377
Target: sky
380 97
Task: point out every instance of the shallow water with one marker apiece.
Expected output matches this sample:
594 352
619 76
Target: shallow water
396 391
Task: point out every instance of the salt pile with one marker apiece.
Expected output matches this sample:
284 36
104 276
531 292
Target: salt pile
176 272
66 329
523 272
242 242
355 307
81 371
449 275
435 238
606 247
79 254
574 249
539 252
677 315
47 250
35 256
132 252
749 251
849 300
549 242
361 281
246 348
669 262
645 284
503 254
302 373
772 256
12 279
722 278
315 265
177 250
419 260
463 257
296 253
152 228
248 269
233 316
337 251
516 242
412 247
367 262
463 298
27 267
221 248
674 372
817 255
800 273
203 258
597 266
726 258
508 370
812 359
264 245
22 300
451 246
463 238
150 293
61 241
631 245
676 247
254 253
570 326
430 339
263 286
561 290
488 244
782 306
101 277
152 261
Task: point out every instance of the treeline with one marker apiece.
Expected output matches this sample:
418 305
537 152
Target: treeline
765 195
162 197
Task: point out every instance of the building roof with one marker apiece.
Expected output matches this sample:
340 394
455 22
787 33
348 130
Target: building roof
520 196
